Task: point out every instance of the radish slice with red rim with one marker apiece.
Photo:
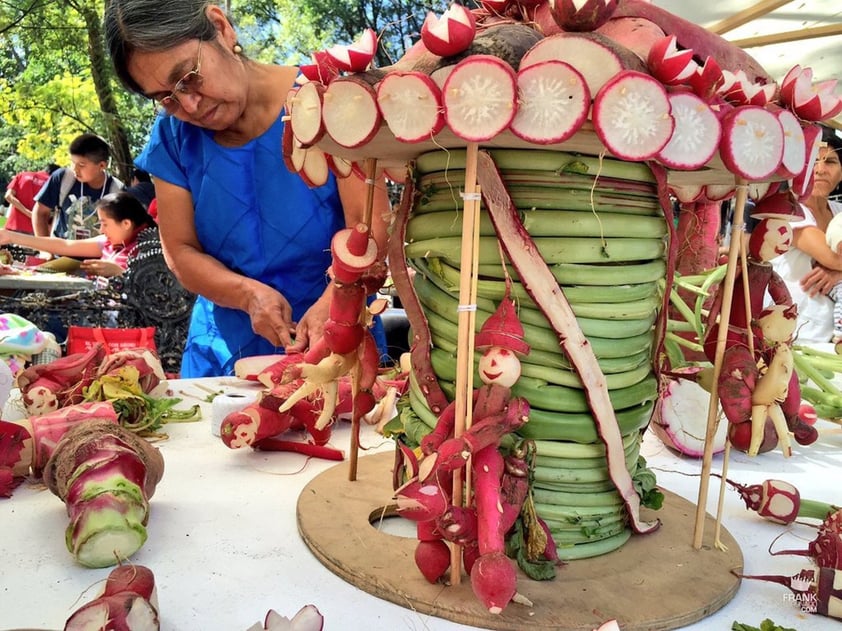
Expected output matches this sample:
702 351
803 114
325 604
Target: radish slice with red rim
631 116
411 105
553 102
719 192
795 145
350 111
752 143
480 97
306 113
695 138
340 167
687 193
314 171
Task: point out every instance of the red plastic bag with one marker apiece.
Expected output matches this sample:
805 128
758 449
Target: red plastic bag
82 338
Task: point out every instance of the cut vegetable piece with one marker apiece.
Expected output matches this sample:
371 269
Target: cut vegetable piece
306 113
357 56
589 53
480 97
752 143
795 145
314 170
668 64
810 101
582 15
697 132
292 150
452 33
802 183
719 192
350 112
631 116
411 105
687 193
340 167
553 102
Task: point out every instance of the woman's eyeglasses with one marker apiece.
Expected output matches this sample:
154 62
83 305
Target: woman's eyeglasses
188 84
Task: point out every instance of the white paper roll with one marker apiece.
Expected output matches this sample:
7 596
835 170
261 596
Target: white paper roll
227 402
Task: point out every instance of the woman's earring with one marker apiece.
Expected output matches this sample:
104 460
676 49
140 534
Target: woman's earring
237 49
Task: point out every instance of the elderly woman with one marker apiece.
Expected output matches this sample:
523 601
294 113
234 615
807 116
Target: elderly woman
237 227
811 268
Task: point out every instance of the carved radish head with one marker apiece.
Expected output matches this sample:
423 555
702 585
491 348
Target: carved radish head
769 239
501 340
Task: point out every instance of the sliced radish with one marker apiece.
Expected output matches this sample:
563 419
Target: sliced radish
695 139
759 190
322 69
314 170
411 105
306 113
631 116
553 102
593 55
795 145
292 150
452 33
582 15
350 111
357 56
687 193
340 167
719 192
812 102
740 90
670 65
708 79
752 143
802 184
480 97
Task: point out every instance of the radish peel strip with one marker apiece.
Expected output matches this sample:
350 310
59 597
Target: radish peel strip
537 279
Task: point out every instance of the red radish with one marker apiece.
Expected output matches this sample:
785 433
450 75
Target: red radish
306 449
738 89
132 578
421 501
306 113
480 97
594 56
637 34
308 618
826 548
752 142
631 116
719 192
452 33
740 435
411 105
582 15
775 500
354 251
781 206
126 611
350 111
816 591
807 413
708 79
812 102
680 418
322 69
340 167
670 65
802 184
687 193
553 102
695 139
357 56
433 559
496 6
249 368
795 144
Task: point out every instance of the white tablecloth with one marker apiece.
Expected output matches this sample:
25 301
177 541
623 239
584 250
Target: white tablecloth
224 546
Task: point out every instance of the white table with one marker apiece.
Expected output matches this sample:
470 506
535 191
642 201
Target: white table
39 281
224 546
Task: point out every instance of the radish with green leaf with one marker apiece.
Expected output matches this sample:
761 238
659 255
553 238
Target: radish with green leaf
450 34
752 143
554 101
480 97
411 105
632 116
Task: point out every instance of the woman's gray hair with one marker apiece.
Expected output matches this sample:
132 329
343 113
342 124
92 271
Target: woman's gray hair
151 26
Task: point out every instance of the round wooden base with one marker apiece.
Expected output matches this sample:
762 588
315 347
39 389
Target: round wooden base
654 582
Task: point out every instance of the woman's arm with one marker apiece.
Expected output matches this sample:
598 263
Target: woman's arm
812 240
79 248
270 313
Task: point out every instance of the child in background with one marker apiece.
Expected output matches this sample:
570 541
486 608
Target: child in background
834 242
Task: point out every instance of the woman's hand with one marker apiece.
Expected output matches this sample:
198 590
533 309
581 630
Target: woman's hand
98 267
819 281
311 328
271 315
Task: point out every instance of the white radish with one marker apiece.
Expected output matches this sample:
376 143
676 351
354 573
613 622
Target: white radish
553 102
411 105
589 54
680 418
752 143
350 111
306 113
795 145
631 116
695 138
480 97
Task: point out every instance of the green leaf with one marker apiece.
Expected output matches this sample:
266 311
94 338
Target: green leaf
766 625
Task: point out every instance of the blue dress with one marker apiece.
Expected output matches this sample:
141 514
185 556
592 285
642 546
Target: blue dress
255 217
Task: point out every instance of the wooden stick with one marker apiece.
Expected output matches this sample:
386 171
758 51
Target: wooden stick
353 457
466 324
724 319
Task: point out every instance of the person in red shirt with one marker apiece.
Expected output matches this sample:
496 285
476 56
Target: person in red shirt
20 194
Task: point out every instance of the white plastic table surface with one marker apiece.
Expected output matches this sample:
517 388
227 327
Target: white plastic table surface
224 545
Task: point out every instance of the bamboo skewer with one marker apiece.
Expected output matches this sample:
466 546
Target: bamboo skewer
466 325
724 318
368 210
